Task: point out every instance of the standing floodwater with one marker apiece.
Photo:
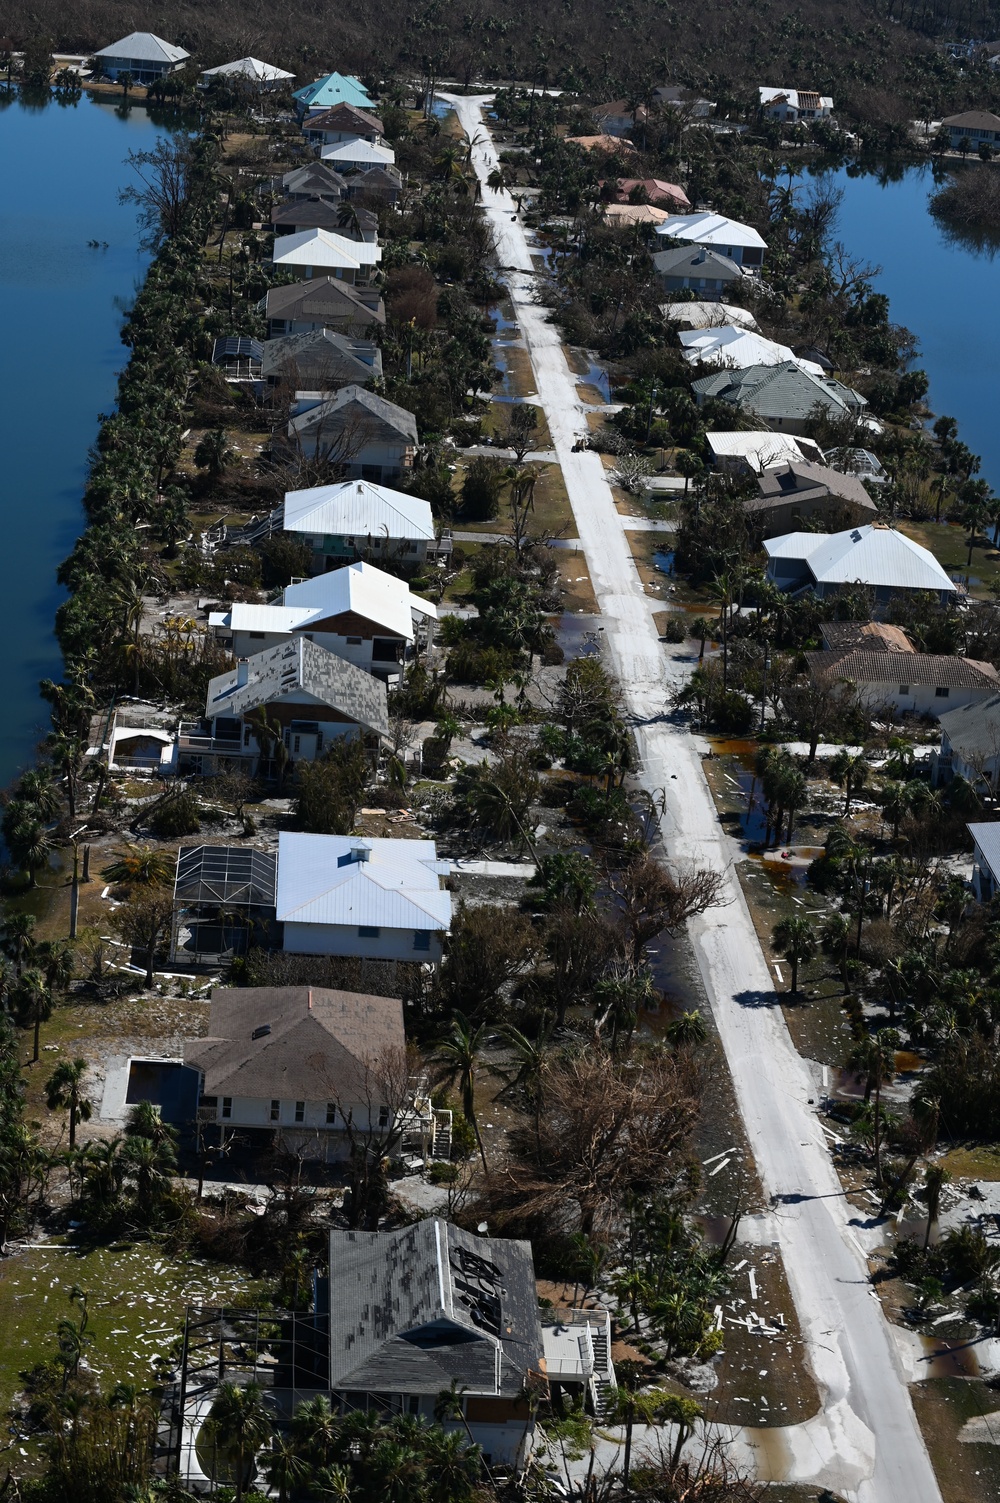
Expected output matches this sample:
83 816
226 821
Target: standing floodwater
61 168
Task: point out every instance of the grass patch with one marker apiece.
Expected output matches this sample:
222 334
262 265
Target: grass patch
943 1405
950 545
520 380
577 590
973 1161
496 415
591 394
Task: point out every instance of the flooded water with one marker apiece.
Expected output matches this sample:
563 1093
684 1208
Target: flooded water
948 1359
61 169
595 375
577 635
663 559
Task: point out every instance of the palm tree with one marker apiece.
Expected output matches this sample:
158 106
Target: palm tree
316 1429
458 1057
32 1003
62 1093
936 1177
30 847
240 1426
149 1165
56 960
139 865
348 217
850 772
649 1406
874 1057
17 942
689 1028
795 939
283 1467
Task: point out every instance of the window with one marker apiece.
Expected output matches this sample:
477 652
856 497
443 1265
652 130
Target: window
256 636
412 547
941 693
354 641
368 931
413 1404
383 1116
331 1113
300 1111
904 689
421 939
275 1111
227 1106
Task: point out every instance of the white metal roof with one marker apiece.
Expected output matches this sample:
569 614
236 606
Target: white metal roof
143 46
707 315
316 248
395 887
363 589
357 508
872 555
358 150
269 618
739 348
768 96
248 67
710 229
761 448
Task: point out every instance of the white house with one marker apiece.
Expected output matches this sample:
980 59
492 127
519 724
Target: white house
344 521
793 105
376 899
739 348
906 683
727 237
360 613
755 450
972 129
141 54
356 155
324 253
684 100
985 859
970 745
295 1062
343 123
248 72
877 557
429 1309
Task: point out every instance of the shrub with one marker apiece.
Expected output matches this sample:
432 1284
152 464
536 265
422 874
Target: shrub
284 557
481 489
178 816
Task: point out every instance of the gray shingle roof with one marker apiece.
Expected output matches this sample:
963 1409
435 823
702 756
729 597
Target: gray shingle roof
314 177
321 359
809 482
319 213
316 1048
345 116
783 390
412 1310
688 261
323 298
372 418
297 666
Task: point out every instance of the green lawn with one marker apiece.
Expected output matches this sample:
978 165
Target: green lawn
950 545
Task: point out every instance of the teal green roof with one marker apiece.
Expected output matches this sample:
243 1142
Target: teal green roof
335 88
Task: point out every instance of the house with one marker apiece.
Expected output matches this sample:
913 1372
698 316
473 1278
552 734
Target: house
382 183
783 396
356 155
864 636
348 221
985 859
320 360
798 492
323 253
970 745
684 269
603 142
249 73
325 93
294 1063
323 303
343 123
662 194
354 518
143 56
755 450
794 105
238 357
684 100
736 348
296 694
429 1309
365 434
618 117
311 181
906 683
876 557
359 612
577 1347
223 899
972 129
141 740
727 237
375 899
707 314
629 214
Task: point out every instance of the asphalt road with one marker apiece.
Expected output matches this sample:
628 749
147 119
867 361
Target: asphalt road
866 1443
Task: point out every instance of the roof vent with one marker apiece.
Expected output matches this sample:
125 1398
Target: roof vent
359 852
242 673
261 1032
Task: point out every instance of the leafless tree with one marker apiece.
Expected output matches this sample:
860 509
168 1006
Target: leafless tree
371 1102
654 900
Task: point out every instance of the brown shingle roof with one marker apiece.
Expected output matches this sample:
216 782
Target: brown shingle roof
926 669
810 482
973 120
865 636
345 117
315 1050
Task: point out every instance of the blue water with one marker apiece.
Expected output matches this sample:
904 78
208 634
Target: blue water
945 293
60 310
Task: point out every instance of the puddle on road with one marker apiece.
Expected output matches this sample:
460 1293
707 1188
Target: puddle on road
577 635
948 1359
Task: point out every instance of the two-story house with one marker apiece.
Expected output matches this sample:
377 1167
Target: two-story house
295 1063
376 899
327 92
318 212
312 180
295 693
323 303
356 155
715 232
359 612
972 129
794 105
319 360
143 56
325 253
368 437
355 519
428 1308
344 122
